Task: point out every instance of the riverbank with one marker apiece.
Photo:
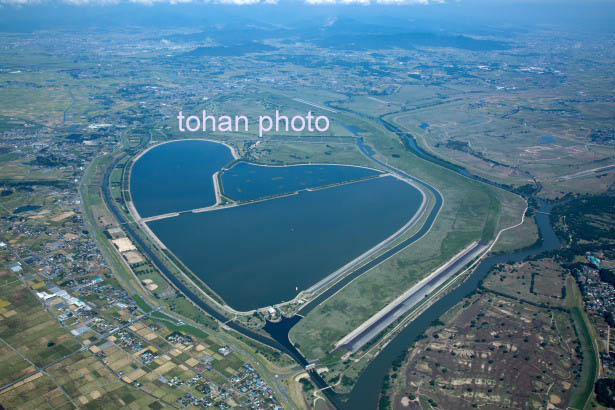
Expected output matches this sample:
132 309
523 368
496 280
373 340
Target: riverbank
151 224
366 391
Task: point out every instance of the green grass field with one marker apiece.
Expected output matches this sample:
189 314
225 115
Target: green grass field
33 332
583 393
471 211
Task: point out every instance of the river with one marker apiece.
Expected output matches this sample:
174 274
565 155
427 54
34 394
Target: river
367 389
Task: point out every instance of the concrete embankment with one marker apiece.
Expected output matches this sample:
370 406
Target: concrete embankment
356 339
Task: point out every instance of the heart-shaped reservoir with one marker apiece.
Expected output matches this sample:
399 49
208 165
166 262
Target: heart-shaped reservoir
296 226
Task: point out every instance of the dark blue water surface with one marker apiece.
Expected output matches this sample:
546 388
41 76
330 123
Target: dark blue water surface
259 254
364 395
177 176
244 181
26 208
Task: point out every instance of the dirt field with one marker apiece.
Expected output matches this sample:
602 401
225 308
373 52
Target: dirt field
541 281
493 352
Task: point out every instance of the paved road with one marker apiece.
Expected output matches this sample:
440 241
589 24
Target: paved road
587 173
171 277
166 271
411 299
369 152
84 347
352 265
280 340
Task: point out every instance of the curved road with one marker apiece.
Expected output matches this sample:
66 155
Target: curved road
369 152
279 331
167 273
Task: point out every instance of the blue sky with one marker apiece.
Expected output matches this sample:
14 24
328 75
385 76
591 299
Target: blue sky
459 15
236 2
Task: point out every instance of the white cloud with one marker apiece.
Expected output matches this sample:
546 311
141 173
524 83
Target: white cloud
18 2
91 2
367 2
408 2
238 2
337 1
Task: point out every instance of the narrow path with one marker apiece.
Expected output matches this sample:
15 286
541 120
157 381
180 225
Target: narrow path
426 228
72 96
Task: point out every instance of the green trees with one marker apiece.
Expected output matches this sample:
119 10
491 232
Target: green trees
605 392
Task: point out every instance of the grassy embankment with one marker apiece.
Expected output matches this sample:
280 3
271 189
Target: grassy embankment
471 211
583 393
261 356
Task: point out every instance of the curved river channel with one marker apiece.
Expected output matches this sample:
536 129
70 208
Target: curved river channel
367 389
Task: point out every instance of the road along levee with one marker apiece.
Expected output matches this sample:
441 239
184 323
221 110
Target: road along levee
369 329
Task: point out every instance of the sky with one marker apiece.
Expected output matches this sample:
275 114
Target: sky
32 15
314 2
17 3
234 2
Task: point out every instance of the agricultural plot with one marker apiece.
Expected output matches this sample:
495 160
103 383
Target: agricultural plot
36 392
494 352
13 365
93 385
471 211
31 330
515 140
541 281
33 340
